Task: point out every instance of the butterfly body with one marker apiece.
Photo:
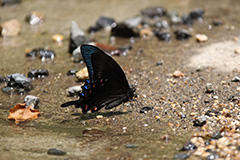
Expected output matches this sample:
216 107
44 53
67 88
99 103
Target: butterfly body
107 85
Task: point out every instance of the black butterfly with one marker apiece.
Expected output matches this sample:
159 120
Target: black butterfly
107 85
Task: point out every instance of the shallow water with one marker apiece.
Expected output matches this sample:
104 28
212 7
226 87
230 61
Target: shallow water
60 128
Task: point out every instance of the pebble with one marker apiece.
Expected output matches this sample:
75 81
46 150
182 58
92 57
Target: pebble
163 36
77 56
182 34
74 90
99 116
10 28
187 19
32 101
201 37
6 3
42 53
237 51
131 146
123 30
209 88
189 146
55 151
146 109
82 74
77 37
71 72
217 23
159 63
3 79
34 18
236 79
200 121
178 74
101 23
162 24
181 156
57 38
153 12
37 73
196 14
212 156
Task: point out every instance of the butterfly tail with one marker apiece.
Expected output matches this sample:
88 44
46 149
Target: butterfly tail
70 103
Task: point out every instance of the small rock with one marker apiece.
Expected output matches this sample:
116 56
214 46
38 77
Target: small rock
145 109
3 79
217 23
182 34
165 137
101 23
164 36
131 146
178 74
212 156
37 73
196 14
10 28
77 56
200 121
43 54
187 19
5 3
133 22
82 74
209 88
99 116
201 37
55 151
74 90
34 18
189 146
237 51
8 90
57 38
71 72
18 81
162 24
159 63
153 12
77 37
181 156
236 79
123 30
32 101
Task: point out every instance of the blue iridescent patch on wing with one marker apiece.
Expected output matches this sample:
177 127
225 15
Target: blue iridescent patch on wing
87 52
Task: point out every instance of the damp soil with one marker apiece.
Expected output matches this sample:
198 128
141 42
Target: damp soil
63 128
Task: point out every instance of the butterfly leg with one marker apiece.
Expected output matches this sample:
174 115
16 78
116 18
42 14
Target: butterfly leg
114 104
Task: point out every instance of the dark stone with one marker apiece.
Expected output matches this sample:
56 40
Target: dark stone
200 121
216 135
37 73
198 13
153 12
145 109
41 53
189 146
31 100
5 3
164 36
162 24
217 23
18 81
212 112
238 148
181 156
182 34
101 23
55 151
208 150
236 79
159 63
72 72
122 30
209 88
3 79
77 37
187 19
212 156
131 146
232 98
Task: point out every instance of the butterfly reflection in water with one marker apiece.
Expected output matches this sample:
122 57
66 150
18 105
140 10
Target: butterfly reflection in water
107 85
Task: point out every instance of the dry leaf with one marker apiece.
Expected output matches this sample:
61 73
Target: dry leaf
21 113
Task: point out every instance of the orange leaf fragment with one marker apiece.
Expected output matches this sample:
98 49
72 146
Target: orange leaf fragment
21 113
